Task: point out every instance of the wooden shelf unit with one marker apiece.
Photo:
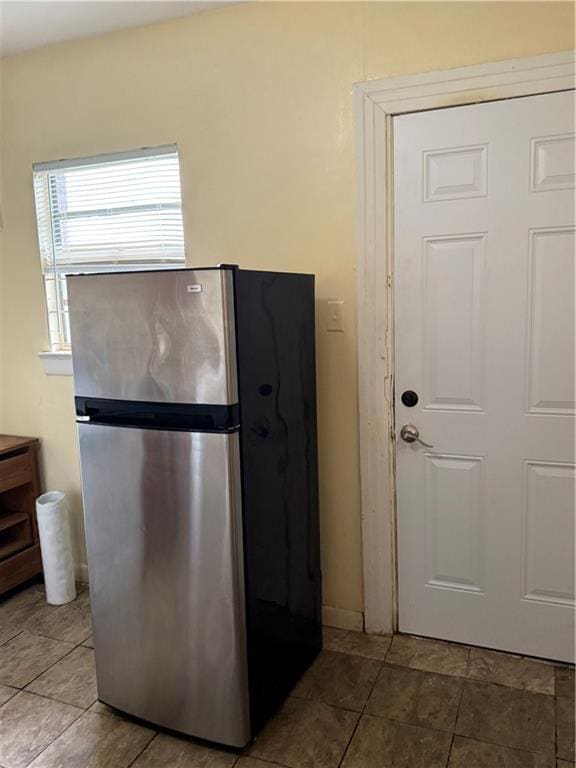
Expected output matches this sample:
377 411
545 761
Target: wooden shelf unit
20 557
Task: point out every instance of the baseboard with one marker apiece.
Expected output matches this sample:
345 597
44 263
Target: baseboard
81 572
342 618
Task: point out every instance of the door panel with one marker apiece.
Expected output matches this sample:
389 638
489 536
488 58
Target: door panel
551 307
162 336
484 327
450 174
550 487
455 509
163 529
454 322
553 163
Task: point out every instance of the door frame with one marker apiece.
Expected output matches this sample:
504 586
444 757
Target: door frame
376 102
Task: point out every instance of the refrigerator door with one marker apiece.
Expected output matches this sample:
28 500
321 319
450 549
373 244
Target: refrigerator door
165 336
163 529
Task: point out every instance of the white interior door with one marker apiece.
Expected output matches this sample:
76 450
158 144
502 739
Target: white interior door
484 297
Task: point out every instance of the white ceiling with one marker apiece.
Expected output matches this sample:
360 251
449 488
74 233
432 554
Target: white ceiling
25 24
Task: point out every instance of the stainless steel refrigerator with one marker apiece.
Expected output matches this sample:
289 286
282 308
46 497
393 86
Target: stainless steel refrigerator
196 408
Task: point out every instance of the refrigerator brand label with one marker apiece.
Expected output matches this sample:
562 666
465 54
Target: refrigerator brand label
196 288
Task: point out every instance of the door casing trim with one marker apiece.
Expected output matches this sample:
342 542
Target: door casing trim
376 102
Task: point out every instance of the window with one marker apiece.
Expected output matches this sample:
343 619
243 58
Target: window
105 213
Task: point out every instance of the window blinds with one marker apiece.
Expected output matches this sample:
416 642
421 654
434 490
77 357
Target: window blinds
111 211
106 213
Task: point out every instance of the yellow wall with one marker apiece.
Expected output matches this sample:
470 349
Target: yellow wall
259 99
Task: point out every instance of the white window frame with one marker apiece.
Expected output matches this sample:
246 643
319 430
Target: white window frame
57 361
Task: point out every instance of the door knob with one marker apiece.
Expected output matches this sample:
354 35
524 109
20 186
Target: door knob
409 433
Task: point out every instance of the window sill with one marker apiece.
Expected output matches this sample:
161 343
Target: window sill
56 363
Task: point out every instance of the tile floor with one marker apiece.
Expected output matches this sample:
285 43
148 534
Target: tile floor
367 702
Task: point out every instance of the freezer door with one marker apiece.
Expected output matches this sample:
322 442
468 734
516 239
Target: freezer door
165 336
165 559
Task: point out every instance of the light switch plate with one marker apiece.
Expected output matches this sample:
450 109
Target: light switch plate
334 317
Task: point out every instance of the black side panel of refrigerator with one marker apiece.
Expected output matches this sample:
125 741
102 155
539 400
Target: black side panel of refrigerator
277 384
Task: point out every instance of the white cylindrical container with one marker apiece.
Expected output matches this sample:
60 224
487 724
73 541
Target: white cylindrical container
56 546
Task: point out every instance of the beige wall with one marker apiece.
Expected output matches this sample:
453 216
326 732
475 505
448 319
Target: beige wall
259 99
